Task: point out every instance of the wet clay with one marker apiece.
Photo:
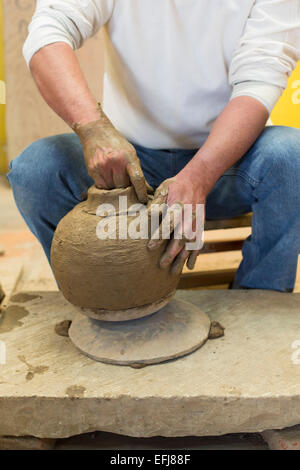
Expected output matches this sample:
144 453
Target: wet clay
112 274
11 317
62 328
75 391
32 370
216 330
23 297
174 331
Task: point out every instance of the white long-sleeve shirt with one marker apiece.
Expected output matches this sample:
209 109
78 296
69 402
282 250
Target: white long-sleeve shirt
173 65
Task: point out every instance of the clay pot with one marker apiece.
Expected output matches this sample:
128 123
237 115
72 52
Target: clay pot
112 279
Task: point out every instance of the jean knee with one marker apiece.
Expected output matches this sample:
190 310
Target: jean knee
40 160
281 155
283 149
34 173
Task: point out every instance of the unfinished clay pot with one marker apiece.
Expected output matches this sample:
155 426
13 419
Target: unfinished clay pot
113 279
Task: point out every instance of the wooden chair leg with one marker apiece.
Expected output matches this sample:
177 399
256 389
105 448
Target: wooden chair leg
206 278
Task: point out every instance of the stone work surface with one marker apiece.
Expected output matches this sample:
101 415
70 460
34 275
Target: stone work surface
245 381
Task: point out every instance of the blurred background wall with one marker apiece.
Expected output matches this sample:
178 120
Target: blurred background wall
26 118
3 156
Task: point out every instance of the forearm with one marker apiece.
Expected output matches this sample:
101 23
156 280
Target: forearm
58 75
233 133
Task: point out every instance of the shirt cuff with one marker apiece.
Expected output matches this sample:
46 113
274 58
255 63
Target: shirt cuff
33 45
266 93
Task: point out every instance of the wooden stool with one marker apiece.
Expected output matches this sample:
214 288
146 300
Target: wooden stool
196 278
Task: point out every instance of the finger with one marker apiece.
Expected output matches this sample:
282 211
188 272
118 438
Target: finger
171 224
192 259
100 171
119 172
120 178
164 227
155 210
161 193
173 249
149 188
138 181
179 262
158 203
99 182
106 170
95 174
158 207
106 174
117 165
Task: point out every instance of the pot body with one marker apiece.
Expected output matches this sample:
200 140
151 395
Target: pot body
109 274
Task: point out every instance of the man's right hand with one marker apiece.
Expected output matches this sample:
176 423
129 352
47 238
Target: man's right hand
111 160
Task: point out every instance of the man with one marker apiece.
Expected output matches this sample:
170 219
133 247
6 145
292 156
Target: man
188 89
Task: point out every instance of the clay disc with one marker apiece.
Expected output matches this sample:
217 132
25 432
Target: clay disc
174 331
128 314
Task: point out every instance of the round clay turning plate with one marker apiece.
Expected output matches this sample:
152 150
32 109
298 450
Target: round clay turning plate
126 314
174 331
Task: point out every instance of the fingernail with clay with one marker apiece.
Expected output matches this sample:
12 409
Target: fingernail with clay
152 245
164 263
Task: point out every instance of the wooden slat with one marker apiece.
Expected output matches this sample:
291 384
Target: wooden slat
241 221
194 279
217 247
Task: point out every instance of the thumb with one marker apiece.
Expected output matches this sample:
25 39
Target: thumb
138 180
160 197
157 207
161 193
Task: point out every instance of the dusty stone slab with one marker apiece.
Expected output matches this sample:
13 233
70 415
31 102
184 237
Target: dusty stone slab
10 273
246 381
283 439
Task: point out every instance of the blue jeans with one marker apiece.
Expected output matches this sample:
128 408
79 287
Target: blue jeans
49 178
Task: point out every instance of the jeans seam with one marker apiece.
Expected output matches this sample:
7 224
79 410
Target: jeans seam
151 182
172 163
244 176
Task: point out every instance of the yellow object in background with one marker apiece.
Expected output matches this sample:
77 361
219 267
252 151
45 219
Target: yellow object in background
3 159
287 110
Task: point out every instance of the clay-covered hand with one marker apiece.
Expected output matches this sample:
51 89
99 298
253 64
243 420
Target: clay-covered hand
111 160
182 206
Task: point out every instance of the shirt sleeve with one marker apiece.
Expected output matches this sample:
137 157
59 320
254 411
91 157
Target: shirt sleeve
267 52
69 21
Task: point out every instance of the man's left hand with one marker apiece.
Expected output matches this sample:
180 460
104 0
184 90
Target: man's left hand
186 206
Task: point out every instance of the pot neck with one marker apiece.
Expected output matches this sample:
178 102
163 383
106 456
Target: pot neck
96 197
